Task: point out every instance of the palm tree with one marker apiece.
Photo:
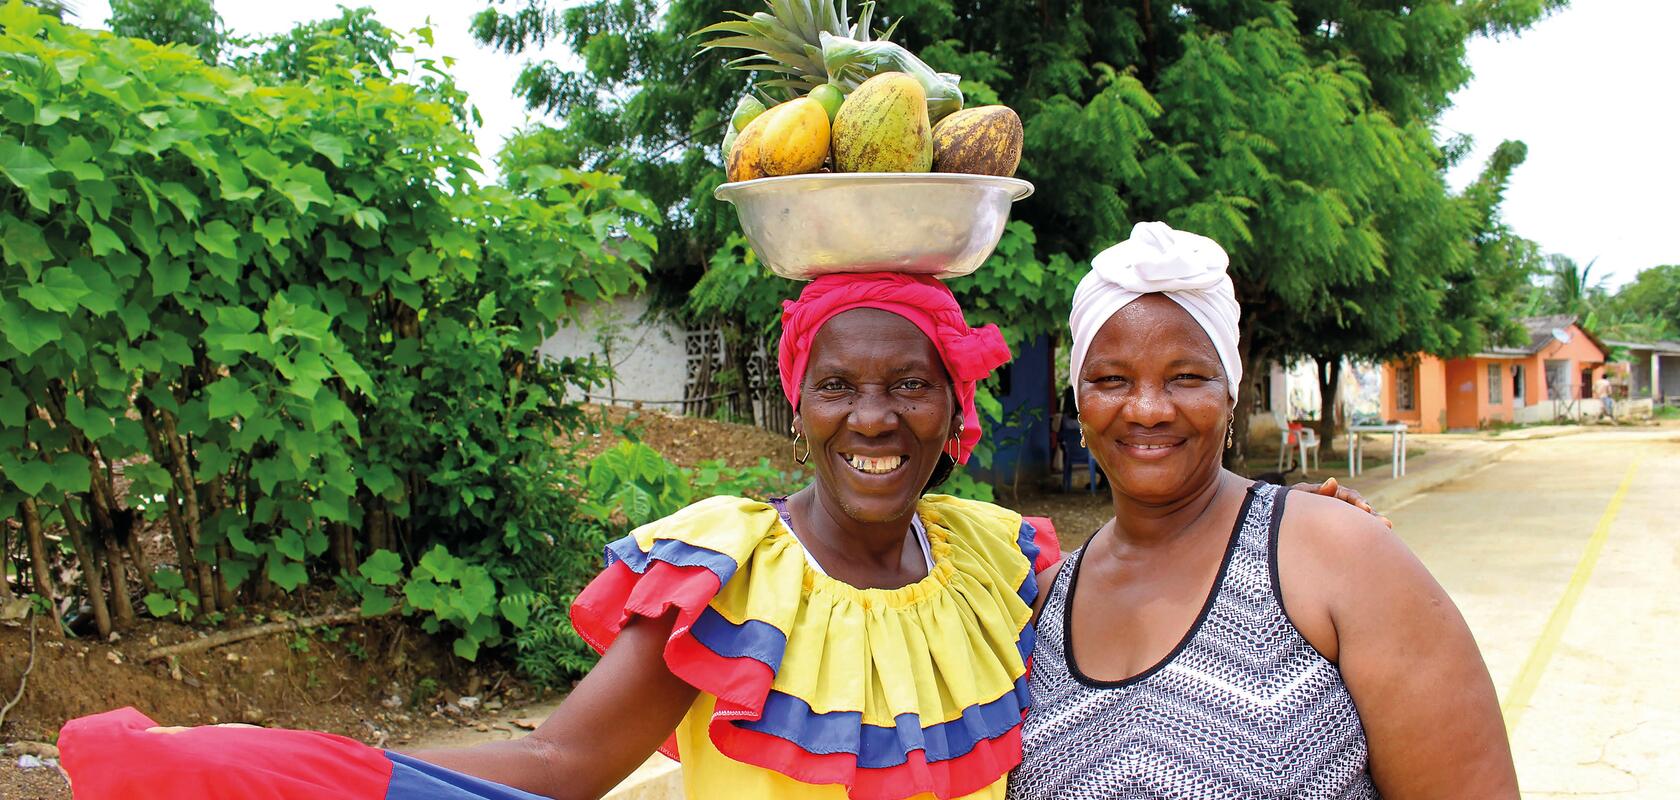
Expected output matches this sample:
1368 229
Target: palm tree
1572 289
57 8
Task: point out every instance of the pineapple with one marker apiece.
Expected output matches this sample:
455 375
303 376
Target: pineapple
787 40
804 44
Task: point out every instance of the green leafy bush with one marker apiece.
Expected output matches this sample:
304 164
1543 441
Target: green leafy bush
288 319
630 485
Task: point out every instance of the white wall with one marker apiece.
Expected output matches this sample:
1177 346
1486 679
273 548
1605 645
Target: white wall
1588 410
648 356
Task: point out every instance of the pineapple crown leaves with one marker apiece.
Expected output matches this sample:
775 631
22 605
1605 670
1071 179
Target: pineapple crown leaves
787 40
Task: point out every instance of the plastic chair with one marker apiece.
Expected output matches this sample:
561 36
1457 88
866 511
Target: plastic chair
1302 438
1072 452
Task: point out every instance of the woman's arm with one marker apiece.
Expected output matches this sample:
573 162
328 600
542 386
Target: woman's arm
1431 717
616 717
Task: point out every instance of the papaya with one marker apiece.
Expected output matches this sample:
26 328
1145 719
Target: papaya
883 127
791 138
984 140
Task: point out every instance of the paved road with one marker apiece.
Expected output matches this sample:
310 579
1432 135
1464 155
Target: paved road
1565 558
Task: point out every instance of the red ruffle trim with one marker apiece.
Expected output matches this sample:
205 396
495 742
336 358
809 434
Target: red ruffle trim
989 761
1049 547
606 605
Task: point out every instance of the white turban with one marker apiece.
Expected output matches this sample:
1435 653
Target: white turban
1186 267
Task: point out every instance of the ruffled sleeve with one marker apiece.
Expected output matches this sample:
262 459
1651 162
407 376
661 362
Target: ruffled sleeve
682 562
1039 543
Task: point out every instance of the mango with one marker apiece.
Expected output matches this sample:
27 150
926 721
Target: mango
746 110
729 138
985 140
883 127
830 96
789 139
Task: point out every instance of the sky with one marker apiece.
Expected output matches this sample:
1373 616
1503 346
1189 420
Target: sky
1590 90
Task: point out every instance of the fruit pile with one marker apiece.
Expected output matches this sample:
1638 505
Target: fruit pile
852 104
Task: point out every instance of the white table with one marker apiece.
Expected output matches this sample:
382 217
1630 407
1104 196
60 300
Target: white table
1397 447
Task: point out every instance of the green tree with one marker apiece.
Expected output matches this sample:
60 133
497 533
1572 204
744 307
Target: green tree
1571 288
354 39
193 23
1648 307
54 8
1298 134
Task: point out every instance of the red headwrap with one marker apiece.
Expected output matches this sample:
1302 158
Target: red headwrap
970 354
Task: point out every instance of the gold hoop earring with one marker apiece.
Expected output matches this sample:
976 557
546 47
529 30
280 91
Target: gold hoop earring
797 458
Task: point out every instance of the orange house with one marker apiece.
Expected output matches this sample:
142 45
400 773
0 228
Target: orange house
1541 380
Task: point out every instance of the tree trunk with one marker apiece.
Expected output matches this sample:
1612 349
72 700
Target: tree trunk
6 555
120 602
224 592
164 456
142 564
189 497
1329 380
378 526
1236 457
343 546
39 563
91 573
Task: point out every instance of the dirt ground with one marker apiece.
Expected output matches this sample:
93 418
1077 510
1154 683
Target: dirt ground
689 440
380 682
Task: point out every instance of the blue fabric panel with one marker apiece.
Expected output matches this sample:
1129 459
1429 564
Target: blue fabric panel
671 551
754 639
1029 548
879 746
417 780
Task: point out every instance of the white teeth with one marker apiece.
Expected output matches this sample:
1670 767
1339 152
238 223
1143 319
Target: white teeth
1150 446
875 466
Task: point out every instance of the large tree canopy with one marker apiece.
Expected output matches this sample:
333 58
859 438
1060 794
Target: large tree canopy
1298 134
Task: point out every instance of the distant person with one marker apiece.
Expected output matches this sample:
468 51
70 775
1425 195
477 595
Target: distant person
1602 391
1212 640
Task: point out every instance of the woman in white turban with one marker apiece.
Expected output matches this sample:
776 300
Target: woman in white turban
1228 646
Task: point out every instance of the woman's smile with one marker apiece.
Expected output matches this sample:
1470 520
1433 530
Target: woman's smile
1150 447
874 465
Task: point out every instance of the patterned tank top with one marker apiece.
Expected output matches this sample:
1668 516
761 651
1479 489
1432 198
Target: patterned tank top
1244 707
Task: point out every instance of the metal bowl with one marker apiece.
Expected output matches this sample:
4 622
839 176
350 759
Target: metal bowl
936 223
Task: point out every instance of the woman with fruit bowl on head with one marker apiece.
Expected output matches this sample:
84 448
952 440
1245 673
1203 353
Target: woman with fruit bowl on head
861 638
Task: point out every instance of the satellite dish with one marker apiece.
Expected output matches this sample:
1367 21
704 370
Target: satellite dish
1561 335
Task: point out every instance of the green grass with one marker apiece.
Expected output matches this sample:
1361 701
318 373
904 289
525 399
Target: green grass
1668 412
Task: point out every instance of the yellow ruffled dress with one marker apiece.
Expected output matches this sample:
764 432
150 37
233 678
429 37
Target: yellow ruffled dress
812 688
